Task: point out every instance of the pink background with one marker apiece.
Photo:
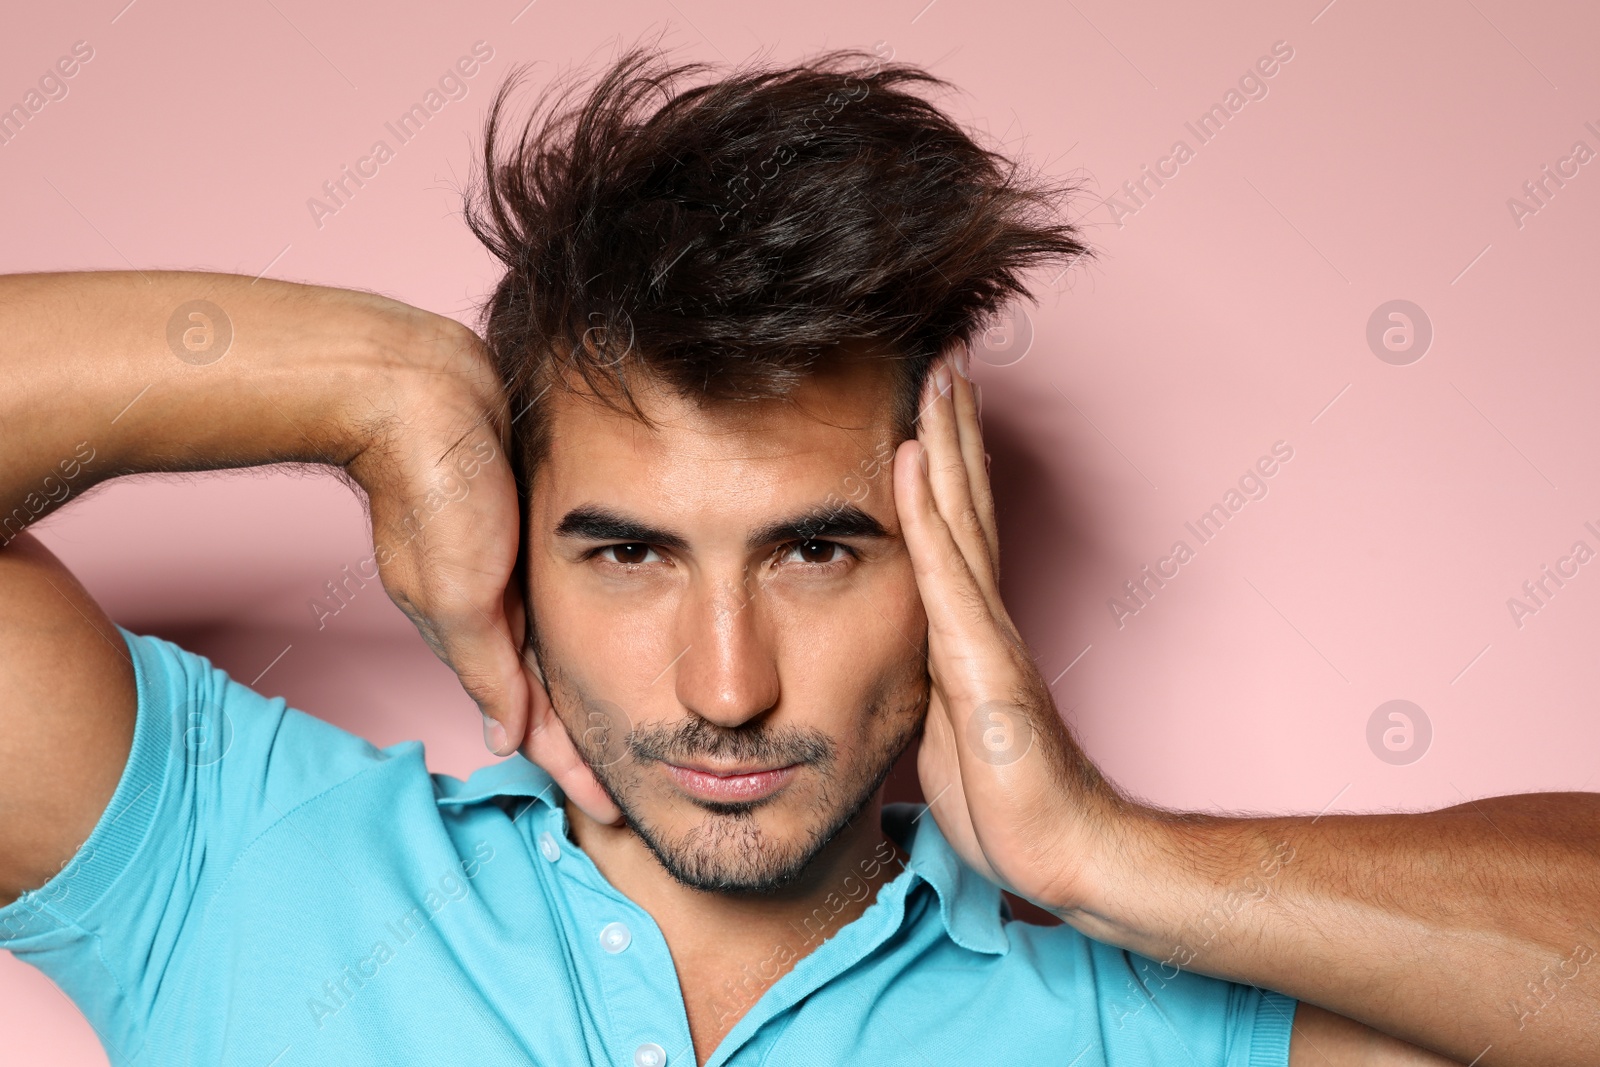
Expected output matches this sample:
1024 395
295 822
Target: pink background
1229 312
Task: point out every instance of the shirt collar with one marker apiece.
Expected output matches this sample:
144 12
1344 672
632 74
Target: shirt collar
512 777
969 904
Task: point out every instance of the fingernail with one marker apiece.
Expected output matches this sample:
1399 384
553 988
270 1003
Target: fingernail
494 735
941 378
962 366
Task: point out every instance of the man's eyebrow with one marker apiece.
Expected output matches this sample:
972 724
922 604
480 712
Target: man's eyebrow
846 521
590 522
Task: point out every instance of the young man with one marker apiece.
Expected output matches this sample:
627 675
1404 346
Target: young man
705 529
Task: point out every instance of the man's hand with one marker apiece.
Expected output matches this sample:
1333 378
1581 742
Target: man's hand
1011 790
446 529
1473 931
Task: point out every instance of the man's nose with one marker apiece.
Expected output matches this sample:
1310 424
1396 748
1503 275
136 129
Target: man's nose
728 671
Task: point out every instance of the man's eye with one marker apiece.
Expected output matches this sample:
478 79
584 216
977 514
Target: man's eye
815 552
630 554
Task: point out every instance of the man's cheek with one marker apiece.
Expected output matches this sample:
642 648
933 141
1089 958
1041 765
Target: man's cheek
901 599
617 645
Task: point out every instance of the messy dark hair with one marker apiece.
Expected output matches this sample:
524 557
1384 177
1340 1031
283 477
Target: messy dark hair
725 235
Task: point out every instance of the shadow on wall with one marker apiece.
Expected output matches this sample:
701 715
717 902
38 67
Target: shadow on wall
1047 545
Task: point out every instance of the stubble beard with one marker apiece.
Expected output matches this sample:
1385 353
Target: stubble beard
728 851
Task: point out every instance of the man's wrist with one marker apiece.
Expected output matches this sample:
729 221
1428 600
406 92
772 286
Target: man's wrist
1111 842
342 364
418 387
1169 885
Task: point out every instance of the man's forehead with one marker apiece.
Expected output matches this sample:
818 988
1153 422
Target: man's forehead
728 469
842 408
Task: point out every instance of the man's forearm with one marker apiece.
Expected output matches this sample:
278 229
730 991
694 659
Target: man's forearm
1469 929
121 372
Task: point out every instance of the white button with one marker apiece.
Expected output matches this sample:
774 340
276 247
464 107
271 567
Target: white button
649 1054
614 937
548 847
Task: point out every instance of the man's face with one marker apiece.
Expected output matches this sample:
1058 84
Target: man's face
727 619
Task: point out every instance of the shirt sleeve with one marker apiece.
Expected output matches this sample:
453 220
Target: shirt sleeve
213 764
1147 1006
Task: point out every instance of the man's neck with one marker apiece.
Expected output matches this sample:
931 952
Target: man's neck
729 948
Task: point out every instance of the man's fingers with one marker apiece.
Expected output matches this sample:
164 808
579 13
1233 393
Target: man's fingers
949 470
550 746
479 646
964 394
957 607
529 722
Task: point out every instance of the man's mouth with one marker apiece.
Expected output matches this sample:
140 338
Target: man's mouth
731 783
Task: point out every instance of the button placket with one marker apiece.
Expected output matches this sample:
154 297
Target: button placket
626 968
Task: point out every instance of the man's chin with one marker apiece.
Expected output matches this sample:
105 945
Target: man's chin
732 852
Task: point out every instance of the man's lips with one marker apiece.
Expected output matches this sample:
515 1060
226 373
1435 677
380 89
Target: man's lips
734 785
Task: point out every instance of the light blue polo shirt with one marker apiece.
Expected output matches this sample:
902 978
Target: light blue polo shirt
266 890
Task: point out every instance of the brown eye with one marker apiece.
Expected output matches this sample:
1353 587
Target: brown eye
629 554
817 551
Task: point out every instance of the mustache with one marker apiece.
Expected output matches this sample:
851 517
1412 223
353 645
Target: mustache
698 738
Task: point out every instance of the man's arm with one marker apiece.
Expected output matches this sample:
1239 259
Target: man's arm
115 373
67 707
1473 931
1323 1039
